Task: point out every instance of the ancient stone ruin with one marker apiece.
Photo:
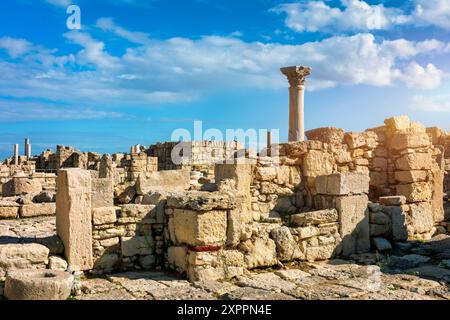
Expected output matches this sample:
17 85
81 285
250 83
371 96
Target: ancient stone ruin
336 195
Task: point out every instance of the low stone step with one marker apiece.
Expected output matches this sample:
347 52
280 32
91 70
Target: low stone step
22 256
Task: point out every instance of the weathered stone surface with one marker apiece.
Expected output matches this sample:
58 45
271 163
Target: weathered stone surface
287 248
201 201
22 256
398 123
74 217
421 217
104 215
57 263
45 196
415 192
307 232
38 285
411 140
392 200
266 173
177 258
381 244
408 261
132 246
174 180
379 229
354 140
379 218
354 224
103 195
315 217
343 183
317 163
320 253
9 212
261 252
411 176
126 195
438 195
399 224
24 186
414 161
200 228
326 135
107 261
37 210
138 211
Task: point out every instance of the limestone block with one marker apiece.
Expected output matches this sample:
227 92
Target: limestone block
73 217
287 248
315 217
102 192
26 186
204 201
57 263
240 173
132 246
9 212
438 194
266 173
378 179
381 244
380 163
379 218
138 211
355 140
104 215
236 219
415 192
261 252
177 257
174 180
410 140
414 161
326 135
38 285
307 232
320 252
37 210
379 229
22 256
411 176
399 224
45 197
398 123
392 200
421 216
354 224
317 163
343 183
200 228
107 261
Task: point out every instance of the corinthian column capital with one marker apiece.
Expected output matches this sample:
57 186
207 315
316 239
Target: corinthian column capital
296 75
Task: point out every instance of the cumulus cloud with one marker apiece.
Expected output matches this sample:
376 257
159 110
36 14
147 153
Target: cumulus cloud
15 47
59 3
437 103
360 16
181 69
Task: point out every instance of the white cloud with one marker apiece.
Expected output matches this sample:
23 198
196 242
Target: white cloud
15 47
60 3
314 16
108 25
433 12
182 69
359 16
437 103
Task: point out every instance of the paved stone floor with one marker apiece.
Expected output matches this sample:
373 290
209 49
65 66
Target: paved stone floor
414 271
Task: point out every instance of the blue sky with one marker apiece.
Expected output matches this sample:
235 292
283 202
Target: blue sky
137 70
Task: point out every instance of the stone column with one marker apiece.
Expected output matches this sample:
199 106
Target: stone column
16 154
74 217
27 149
296 76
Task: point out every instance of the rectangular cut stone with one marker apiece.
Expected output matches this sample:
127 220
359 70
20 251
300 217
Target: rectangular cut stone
438 194
398 123
200 228
354 224
132 246
415 192
411 140
399 224
73 217
315 217
421 216
139 211
9 212
177 258
344 183
355 140
392 200
317 163
37 210
22 256
414 161
104 215
410 176
173 180
102 192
